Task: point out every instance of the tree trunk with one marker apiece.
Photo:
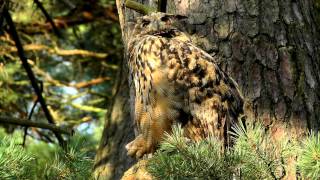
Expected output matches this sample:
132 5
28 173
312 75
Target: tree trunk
270 47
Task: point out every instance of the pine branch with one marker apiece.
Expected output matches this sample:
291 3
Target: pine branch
27 123
31 76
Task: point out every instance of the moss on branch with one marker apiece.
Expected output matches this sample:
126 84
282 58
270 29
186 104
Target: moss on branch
143 9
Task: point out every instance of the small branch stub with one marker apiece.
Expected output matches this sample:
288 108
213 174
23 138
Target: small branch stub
143 9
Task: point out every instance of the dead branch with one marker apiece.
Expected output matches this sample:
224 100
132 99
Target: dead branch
27 123
79 85
55 50
83 17
48 17
90 83
63 52
29 119
31 76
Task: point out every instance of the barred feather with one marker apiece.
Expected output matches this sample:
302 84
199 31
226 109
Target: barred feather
175 81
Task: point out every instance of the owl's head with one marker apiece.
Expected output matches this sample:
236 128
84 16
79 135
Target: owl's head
160 24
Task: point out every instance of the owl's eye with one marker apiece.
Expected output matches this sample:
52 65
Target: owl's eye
145 23
165 19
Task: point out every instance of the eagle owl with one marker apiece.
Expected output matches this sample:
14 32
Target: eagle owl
176 82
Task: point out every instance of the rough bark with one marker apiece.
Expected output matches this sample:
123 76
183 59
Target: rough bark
270 47
111 158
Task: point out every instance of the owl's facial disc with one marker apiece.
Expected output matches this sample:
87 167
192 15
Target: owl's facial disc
158 24
162 27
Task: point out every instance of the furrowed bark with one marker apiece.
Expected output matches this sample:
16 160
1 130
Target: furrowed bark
270 47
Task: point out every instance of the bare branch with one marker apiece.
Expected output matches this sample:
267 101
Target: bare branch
63 22
48 17
43 136
27 123
84 84
90 83
29 119
31 76
56 50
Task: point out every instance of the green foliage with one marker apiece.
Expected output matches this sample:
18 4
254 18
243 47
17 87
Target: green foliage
255 155
262 156
69 71
60 73
15 162
7 72
75 163
309 160
20 163
178 158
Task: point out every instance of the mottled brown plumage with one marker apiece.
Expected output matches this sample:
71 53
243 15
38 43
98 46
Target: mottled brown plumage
176 82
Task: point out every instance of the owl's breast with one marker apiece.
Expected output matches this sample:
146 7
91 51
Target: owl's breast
151 75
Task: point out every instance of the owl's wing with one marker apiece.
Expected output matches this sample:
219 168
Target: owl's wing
147 70
212 97
140 73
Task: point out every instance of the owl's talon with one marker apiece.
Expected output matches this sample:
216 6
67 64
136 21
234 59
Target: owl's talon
139 154
131 149
138 147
